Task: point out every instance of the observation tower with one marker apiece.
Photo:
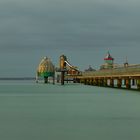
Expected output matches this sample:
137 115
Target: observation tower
45 69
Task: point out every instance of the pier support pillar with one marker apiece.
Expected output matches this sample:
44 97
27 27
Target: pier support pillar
91 81
124 82
133 82
74 80
81 81
119 83
128 84
138 84
85 81
53 80
58 79
105 82
96 82
45 79
77 80
111 82
62 77
100 81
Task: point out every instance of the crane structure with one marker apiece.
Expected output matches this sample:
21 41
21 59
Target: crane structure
66 69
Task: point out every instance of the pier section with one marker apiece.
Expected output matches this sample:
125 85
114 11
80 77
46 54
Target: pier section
120 77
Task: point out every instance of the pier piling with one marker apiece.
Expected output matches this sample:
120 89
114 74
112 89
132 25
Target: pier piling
119 83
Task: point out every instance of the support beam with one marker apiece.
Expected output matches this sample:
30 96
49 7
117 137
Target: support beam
128 83
91 81
88 81
77 80
45 79
58 78
81 80
124 82
53 80
85 81
111 82
119 83
133 82
105 82
62 77
94 82
138 84
100 82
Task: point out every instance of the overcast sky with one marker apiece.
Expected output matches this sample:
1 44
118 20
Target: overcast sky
83 30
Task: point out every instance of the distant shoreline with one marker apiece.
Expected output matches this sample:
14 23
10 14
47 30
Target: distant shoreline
17 78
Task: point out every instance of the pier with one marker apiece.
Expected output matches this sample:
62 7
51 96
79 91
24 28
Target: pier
109 75
120 77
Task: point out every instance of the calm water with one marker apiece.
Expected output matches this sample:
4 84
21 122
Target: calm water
30 111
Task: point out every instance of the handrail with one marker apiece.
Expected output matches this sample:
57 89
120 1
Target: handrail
114 72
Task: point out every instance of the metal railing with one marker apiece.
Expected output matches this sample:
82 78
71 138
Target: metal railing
130 70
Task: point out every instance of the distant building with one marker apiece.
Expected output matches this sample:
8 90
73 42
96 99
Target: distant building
90 69
109 62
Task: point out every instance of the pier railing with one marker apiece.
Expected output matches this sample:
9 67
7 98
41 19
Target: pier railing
120 71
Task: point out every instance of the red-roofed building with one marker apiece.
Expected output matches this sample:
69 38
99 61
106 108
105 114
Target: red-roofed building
109 60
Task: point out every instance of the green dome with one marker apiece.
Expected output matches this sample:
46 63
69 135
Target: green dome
46 65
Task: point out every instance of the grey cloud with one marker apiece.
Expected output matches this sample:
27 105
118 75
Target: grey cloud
55 25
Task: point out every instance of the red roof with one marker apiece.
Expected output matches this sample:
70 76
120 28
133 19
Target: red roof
108 57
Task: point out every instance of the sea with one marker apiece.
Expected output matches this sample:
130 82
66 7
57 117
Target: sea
38 111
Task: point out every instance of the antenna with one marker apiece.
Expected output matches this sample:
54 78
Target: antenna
126 60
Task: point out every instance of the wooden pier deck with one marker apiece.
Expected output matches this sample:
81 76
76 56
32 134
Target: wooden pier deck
118 77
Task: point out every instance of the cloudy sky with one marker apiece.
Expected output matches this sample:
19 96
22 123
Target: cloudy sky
83 30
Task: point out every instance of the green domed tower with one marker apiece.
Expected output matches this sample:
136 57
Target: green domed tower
45 69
